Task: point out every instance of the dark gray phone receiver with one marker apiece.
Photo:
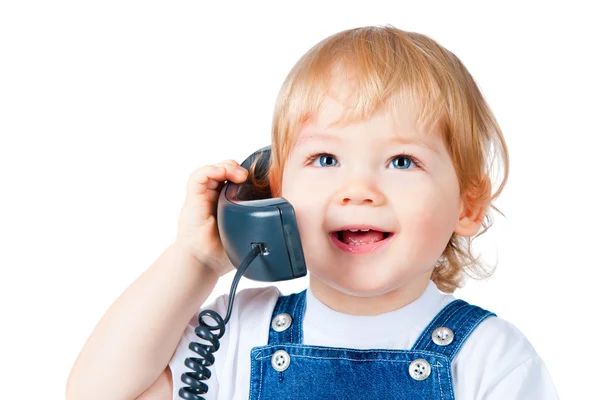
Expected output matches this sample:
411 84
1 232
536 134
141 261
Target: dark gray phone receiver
249 217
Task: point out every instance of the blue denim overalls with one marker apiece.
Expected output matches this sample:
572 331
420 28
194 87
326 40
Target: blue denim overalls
286 369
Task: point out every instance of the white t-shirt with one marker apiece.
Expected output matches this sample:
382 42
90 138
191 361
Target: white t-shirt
496 362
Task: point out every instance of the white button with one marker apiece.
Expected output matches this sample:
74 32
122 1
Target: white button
280 360
281 322
442 336
419 369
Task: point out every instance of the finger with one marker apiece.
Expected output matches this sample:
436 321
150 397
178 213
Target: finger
236 167
209 177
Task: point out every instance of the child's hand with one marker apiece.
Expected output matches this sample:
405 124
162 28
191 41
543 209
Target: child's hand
197 229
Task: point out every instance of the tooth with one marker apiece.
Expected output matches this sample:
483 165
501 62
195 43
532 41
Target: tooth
365 230
353 230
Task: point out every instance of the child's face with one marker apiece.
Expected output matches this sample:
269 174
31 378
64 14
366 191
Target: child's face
360 180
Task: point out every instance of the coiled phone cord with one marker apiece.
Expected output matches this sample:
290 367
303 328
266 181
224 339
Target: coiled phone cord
203 331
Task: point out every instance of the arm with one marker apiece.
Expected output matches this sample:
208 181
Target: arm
161 389
132 344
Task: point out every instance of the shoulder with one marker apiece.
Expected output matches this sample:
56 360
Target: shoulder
492 340
497 358
251 307
497 338
247 300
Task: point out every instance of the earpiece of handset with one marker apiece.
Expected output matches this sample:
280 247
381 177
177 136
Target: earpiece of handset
249 217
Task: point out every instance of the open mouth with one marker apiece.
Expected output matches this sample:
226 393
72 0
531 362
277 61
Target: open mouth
341 236
360 242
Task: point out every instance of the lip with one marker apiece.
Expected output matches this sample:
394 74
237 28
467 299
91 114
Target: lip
359 249
360 226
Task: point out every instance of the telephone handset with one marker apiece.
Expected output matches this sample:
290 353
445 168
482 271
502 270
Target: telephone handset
249 217
251 224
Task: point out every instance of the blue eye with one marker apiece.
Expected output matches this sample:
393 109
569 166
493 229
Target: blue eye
326 159
403 162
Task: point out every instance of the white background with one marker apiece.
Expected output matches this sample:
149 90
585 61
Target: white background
107 107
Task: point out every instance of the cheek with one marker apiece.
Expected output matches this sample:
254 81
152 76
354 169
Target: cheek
305 189
307 199
428 213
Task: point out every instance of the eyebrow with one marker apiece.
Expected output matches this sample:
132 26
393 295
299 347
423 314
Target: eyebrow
397 139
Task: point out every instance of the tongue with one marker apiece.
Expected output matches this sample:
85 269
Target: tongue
358 238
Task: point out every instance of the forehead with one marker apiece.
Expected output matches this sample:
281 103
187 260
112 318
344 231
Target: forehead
397 122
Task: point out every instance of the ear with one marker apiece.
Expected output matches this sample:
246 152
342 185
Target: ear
473 207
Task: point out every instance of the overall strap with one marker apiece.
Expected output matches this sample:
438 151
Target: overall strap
294 305
450 328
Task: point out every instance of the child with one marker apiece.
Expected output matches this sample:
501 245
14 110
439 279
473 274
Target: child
383 143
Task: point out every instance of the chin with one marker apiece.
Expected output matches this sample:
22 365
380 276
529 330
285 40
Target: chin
359 282
358 286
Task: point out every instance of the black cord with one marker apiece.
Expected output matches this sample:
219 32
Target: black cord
203 331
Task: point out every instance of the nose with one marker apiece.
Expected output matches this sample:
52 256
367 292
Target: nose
360 192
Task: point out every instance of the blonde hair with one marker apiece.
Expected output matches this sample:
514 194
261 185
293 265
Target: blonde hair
384 64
